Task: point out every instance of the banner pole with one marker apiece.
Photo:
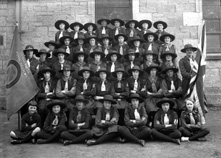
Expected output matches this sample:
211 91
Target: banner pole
19 119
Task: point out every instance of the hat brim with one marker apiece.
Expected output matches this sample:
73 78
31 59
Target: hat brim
163 56
39 54
125 75
121 22
99 71
80 73
76 40
35 51
117 36
110 54
57 52
85 101
88 24
127 25
141 100
102 38
175 70
159 103
131 70
75 24
61 71
144 55
145 36
99 53
52 43
184 49
65 37
89 38
160 22
145 21
100 20
57 23
41 72
126 56
53 103
75 56
172 37
110 100
131 42
148 69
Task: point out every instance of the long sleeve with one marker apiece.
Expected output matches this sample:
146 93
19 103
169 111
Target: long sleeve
47 124
73 89
87 120
183 69
58 90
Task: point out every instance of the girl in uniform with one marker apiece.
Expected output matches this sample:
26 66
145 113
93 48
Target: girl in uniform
90 28
160 26
118 28
62 26
66 42
144 26
76 27
91 45
106 43
52 46
131 29
103 29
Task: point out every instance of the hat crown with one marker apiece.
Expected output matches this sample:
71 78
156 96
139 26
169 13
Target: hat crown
67 67
135 95
149 52
32 103
136 67
62 50
98 49
79 97
119 69
131 51
108 97
86 68
42 51
188 46
29 47
81 36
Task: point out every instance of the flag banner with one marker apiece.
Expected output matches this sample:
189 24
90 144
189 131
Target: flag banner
20 83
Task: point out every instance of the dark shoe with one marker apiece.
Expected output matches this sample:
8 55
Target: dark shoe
41 141
142 142
67 142
203 139
91 142
16 142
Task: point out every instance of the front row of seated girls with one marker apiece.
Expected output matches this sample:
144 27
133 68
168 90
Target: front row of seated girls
77 128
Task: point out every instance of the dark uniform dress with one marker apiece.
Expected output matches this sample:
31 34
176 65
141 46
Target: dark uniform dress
33 65
117 65
27 121
130 33
121 30
89 50
155 47
192 128
139 50
141 88
70 57
159 33
106 50
99 31
124 49
128 64
65 33
57 66
77 67
144 66
171 48
95 66
52 58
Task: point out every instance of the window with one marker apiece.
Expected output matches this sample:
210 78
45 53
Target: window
212 16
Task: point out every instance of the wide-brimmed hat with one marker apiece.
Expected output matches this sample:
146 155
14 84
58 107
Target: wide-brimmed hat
44 70
43 51
135 38
52 43
145 21
149 52
102 69
160 22
32 103
102 19
88 24
120 34
105 36
57 23
116 19
56 102
164 71
131 51
80 98
119 69
127 25
153 66
163 55
30 48
135 68
90 37
188 46
60 51
108 98
112 52
135 96
166 34
98 51
75 55
67 67
145 36
75 24
85 68
80 36
165 100
65 37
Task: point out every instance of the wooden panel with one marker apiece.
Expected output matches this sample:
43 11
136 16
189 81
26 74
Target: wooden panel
211 2
113 3
211 11
213 25
214 41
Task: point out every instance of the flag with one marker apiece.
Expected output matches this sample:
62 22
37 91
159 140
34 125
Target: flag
196 85
20 83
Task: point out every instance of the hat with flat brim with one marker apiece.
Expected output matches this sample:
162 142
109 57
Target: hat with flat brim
60 51
80 37
56 102
136 38
57 23
119 70
127 25
88 24
103 19
75 55
135 68
90 37
119 20
135 96
32 103
43 51
102 70
97 51
131 52
160 22
112 52
120 34
67 67
149 52
153 66
30 48
65 37
108 98
80 98
52 43
145 21
165 100
166 34
44 70
164 71
85 68
188 46
76 24
145 36
105 36
163 55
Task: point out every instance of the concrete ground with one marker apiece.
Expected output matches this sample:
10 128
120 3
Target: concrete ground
209 149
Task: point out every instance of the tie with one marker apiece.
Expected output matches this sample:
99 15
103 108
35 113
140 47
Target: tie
137 50
91 50
47 89
75 35
154 88
119 85
112 67
66 86
60 35
172 87
55 121
145 31
166 120
121 50
135 85
62 65
37 68
85 85
28 62
81 49
131 64
50 54
107 118
136 114
192 120
150 46
68 50
131 33
98 67
79 117
105 51
167 49
103 88
103 31
117 32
